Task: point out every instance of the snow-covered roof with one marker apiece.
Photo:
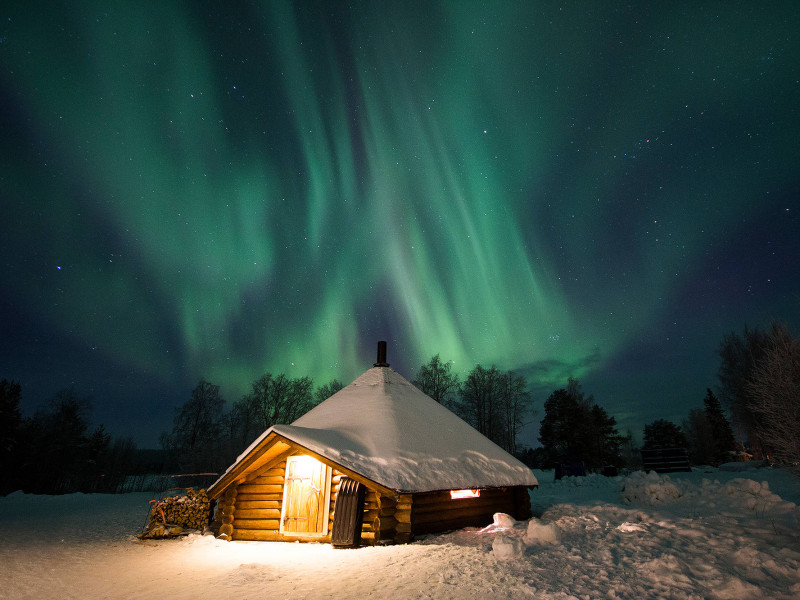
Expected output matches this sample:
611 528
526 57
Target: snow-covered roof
385 429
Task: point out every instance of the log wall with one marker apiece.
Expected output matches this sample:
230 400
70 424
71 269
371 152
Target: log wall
436 511
255 510
252 510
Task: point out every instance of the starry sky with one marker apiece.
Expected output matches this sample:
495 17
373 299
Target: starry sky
201 189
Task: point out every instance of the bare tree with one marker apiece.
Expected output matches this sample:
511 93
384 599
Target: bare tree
197 429
739 354
774 389
514 406
495 403
326 391
436 380
480 398
279 399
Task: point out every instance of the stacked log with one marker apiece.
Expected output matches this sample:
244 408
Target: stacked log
225 513
173 515
402 514
387 518
370 527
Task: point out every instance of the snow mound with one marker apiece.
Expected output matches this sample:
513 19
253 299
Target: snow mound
539 533
650 489
740 494
726 537
500 522
627 527
592 480
505 547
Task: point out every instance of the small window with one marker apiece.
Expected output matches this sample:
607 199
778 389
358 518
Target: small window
461 494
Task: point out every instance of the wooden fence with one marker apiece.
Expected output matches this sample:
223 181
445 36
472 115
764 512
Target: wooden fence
665 460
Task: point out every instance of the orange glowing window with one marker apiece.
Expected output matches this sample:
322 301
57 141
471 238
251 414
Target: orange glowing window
458 494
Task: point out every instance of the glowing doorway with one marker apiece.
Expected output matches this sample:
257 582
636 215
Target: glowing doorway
306 497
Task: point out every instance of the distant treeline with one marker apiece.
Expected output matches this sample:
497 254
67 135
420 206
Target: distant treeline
758 384
56 451
207 436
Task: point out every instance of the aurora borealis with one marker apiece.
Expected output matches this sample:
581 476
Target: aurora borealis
198 189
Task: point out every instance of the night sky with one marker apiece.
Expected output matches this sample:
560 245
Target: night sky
217 190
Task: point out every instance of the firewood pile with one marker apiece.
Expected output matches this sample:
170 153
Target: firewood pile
175 515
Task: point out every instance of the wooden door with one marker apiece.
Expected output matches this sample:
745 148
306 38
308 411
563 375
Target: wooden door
306 495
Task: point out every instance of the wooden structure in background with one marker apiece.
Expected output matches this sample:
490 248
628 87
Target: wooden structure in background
665 460
285 485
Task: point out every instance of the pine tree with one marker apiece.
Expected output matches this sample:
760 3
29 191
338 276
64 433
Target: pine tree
721 433
575 428
699 438
663 434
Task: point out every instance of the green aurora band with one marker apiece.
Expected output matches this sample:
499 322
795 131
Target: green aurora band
221 192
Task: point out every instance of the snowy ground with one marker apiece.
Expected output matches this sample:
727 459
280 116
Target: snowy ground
706 534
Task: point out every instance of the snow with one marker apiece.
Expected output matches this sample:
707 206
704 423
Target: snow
706 534
384 428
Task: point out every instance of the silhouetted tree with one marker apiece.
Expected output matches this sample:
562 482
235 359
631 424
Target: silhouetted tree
116 463
774 391
575 428
494 402
515 400
663 434
61 455
722 440
280 399
480 400
10 435
436 380
242 422
564 428
629 453
605 441
739 355
326 391
197 430
700 442
272 400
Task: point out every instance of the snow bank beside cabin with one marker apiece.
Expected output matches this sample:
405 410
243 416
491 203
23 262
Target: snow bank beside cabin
726 536
682 537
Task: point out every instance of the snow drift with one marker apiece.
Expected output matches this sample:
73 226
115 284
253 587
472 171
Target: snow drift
695 535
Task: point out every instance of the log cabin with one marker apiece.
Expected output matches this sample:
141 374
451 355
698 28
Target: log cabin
378 462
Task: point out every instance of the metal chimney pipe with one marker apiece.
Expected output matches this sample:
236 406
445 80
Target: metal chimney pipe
381 355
